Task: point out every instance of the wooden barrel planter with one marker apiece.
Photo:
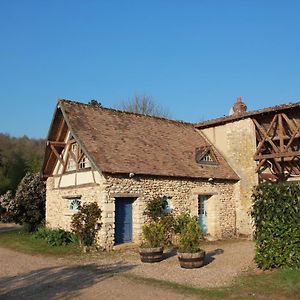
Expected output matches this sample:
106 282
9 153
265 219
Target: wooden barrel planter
191 260
151 255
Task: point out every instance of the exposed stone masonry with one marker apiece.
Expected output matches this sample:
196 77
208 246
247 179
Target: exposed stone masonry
184 194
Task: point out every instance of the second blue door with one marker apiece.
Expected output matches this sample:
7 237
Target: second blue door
123 220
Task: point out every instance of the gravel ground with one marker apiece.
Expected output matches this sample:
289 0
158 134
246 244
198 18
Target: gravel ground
225 260
25 276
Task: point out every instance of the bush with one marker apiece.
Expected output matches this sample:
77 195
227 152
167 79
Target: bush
56 237
190 234
28 206
153 235
155 212
155 209
85 223
276 215
5 203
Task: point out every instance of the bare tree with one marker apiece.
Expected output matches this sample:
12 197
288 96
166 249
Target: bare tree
143 104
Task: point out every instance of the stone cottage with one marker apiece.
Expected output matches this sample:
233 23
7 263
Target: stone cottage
122 160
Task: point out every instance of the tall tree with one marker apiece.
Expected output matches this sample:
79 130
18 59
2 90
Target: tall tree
143 104
18 156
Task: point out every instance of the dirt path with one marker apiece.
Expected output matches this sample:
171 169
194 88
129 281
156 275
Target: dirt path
24 276
101 276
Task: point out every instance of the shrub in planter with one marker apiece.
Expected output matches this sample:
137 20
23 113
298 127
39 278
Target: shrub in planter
86 223
151 249
155 211
190 255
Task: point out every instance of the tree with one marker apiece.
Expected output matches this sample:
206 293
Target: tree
5 204
145 105
94 102
28 206
18 156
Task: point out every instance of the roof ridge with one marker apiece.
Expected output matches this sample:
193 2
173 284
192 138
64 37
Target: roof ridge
125 112
232 118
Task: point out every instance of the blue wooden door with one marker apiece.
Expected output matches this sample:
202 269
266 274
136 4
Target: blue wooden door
202 212
123 220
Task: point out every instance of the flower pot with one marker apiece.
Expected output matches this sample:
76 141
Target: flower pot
191 260
151 255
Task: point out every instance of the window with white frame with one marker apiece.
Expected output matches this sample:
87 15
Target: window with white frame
84 163
74 204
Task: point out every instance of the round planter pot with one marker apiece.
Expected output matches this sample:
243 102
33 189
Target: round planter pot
191 260
151 255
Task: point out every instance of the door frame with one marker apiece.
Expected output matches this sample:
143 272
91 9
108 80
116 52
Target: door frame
118 200
203 198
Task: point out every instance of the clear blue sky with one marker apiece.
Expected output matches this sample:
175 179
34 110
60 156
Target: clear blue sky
193 57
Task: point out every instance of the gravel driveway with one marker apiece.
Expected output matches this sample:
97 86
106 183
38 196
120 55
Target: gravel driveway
99 276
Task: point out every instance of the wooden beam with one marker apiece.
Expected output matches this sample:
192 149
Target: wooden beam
292 138
266 136
280 133
260 165
277 155
55 143
57 154
290 122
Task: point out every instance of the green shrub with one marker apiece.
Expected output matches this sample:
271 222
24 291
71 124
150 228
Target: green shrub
153 235
28 206
56 237
181 221
276 215
155 208
155 212
190 233
86 223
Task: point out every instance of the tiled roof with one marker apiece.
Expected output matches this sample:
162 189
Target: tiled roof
122 142
250 114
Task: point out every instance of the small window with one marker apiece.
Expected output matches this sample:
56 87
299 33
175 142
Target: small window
71 166
84 163
74 204
169 205
205 155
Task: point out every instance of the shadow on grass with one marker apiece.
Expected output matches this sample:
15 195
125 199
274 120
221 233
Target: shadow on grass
57 282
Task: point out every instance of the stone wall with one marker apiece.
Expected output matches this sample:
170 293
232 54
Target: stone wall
184 194
236 141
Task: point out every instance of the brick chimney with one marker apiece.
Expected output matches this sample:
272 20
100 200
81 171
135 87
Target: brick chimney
239 107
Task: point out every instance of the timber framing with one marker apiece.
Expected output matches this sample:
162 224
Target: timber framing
278 144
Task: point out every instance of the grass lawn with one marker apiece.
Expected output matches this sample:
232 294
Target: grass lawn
277 284
25 242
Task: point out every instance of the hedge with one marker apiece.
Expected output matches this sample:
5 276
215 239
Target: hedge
275 211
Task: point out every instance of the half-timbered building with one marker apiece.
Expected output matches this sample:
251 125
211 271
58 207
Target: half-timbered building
122 160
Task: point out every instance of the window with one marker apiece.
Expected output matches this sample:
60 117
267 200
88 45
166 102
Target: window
205 155
74 204
169 205
71 166
84 163
77 159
